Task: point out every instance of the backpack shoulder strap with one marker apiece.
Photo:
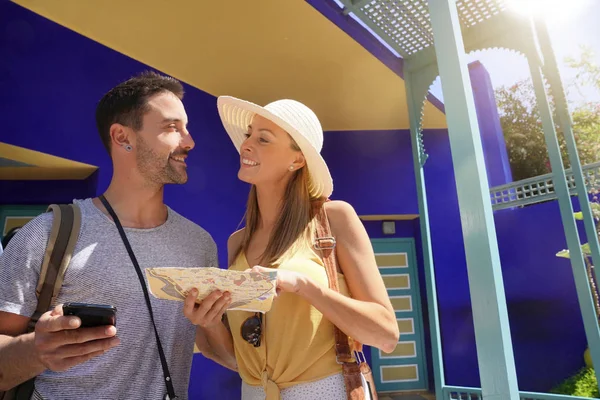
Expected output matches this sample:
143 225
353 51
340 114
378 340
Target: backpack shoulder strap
63 237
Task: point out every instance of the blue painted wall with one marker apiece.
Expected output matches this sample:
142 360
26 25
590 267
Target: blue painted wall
49 91
382 182
546 323
528 238
52 78
492 139
47 192
547 331
372 170
50 82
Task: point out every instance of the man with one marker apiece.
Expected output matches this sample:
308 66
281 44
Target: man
142 123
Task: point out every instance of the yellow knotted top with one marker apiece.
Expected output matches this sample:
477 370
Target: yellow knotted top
298 343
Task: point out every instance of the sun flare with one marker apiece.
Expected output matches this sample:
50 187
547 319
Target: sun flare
552 11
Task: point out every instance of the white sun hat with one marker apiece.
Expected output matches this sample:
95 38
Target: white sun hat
293 117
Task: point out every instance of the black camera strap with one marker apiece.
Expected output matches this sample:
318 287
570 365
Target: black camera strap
163 360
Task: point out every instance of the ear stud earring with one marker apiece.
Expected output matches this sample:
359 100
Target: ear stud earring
291 167
128 147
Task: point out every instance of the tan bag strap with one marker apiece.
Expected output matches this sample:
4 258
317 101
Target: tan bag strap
63 237
325 243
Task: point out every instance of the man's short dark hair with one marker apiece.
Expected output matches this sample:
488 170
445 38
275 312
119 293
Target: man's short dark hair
127 102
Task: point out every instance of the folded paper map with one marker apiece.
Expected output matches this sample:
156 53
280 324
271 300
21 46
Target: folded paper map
250 291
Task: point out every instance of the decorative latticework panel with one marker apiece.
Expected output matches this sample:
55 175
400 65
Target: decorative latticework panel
406 26
539 188
422 153
405 22
463 393
472 12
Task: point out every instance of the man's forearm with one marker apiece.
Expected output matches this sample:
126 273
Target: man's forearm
216 344
18 360
212 355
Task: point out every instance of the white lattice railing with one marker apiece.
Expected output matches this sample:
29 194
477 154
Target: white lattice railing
465 393
539 188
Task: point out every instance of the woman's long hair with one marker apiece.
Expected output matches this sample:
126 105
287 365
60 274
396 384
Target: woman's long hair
295 226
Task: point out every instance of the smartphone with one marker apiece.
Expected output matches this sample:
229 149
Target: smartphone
92 314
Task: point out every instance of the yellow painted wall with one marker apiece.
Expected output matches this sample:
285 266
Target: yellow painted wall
42 166
258 50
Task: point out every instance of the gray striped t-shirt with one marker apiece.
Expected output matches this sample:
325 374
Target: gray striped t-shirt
101 272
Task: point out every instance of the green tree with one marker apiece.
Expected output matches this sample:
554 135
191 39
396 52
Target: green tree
588 72
586 128
522 125
522 128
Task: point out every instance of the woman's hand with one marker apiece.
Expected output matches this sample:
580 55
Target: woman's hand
210 311
287 281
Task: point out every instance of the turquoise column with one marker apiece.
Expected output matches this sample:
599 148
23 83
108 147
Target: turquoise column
564 120
490 316
414 113
559 179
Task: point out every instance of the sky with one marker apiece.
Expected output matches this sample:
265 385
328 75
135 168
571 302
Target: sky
568 31
569 28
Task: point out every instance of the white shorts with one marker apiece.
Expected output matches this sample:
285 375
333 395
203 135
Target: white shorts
330 388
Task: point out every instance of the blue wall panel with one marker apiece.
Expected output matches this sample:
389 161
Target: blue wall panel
51 79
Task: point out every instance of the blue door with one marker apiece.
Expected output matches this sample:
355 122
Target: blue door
405 368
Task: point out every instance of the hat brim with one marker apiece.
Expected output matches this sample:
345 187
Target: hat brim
237 114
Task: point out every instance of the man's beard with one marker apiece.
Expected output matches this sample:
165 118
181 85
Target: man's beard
155 168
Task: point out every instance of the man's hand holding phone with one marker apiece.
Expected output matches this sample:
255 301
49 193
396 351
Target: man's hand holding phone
62 343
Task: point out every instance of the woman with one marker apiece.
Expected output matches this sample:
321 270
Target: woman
289 352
